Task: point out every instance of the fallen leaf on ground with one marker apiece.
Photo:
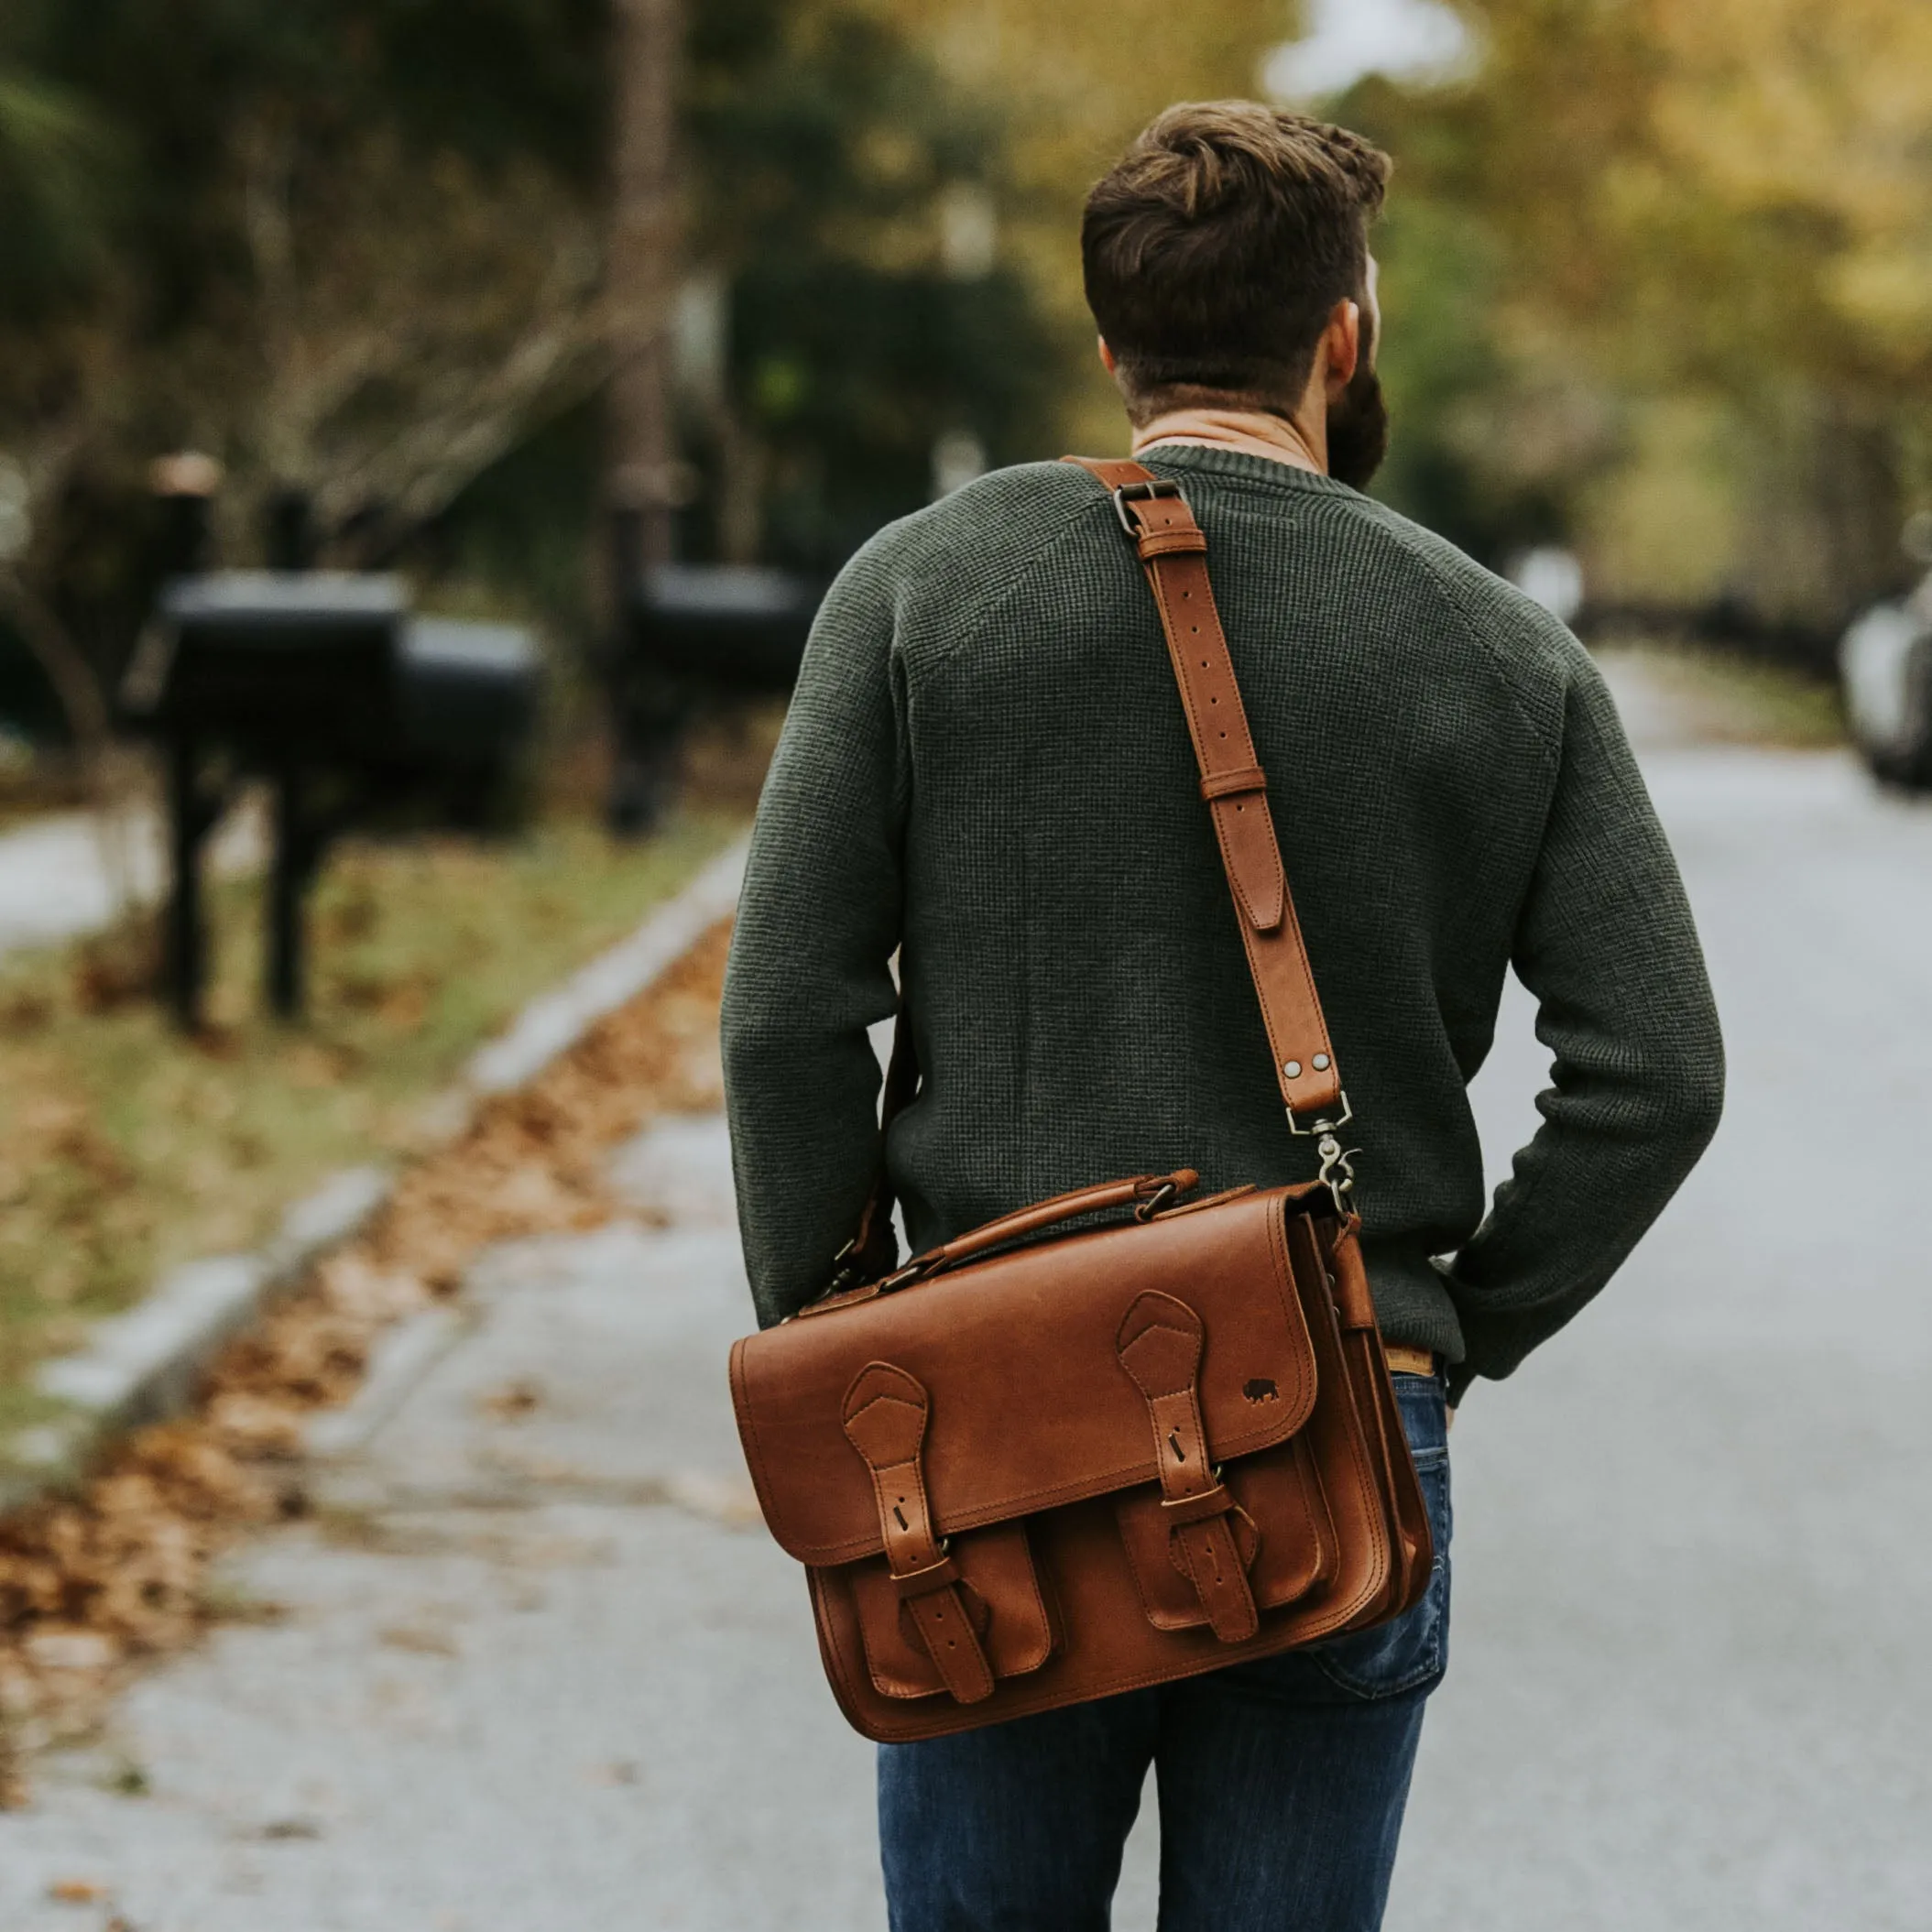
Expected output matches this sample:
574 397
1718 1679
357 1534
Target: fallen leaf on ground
513 1401
425 1643
291 1828
89 1585
76 1891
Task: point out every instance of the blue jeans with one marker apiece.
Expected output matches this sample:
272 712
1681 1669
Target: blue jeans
1282 1783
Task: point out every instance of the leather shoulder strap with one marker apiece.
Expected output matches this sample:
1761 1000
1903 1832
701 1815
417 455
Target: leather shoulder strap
1174 552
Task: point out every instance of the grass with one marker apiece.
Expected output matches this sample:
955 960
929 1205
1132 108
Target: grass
1727 697
126 1149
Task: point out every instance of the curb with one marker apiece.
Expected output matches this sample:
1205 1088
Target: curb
143 1366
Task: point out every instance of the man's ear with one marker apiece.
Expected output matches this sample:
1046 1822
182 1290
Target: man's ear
1106 354
1341 346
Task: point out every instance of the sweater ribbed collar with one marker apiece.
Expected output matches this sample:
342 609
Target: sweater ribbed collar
1237 466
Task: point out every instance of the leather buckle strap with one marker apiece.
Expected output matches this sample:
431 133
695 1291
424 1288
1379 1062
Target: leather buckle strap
1178 1511
1173 551
1160 1342
922 1583
885 1413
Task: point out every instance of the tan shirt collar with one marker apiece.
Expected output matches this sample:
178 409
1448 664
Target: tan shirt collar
1250 432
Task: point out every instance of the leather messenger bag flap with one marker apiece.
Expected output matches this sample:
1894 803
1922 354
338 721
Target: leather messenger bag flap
998 1349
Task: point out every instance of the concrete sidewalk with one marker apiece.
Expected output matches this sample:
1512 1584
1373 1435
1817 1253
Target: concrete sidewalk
56 880
540 1670
539 1666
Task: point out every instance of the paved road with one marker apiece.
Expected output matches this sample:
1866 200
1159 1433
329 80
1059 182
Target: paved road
540 1673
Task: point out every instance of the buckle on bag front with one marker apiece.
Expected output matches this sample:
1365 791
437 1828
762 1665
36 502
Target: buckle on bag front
1140 492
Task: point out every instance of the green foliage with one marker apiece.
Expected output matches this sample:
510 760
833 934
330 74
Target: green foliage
825 150
1449 458
352 246
54 158
1705 291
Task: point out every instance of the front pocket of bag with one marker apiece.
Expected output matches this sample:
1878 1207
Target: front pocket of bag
1010 1614
1282 1530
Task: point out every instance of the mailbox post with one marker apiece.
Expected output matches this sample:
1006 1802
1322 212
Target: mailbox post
352 707
688 630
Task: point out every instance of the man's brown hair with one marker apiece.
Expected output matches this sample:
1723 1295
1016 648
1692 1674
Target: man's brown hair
1216 248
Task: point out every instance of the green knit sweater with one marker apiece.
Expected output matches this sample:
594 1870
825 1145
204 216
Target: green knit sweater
986 768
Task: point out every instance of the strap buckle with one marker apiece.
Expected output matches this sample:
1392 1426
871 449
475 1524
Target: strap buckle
1140 492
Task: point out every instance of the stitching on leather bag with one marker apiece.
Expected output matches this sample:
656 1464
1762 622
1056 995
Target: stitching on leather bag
858 1617
1109 1687
1357 1452
1251 933
1295 1316
844 1688
1203 1620
1133 1570
1033 1659
1331 1622
1300 950
1251 939
1275 846
1032 1501
741 1375
1032 1577
823 1555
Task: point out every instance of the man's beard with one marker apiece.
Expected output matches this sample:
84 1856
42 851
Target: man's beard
1358 429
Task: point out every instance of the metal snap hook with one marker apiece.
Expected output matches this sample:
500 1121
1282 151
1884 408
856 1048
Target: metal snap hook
1337 1173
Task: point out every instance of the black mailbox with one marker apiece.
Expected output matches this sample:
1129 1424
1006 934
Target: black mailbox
729 623
467 693
326 683
272 659
689 628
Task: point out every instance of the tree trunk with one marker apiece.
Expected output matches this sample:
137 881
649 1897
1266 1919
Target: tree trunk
643 270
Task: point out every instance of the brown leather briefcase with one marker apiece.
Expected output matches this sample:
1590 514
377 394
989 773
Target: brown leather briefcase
1025 1472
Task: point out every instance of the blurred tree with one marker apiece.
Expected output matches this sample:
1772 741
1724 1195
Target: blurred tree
641 270
310 238
364 234
1078 80
1710 223
357 247
53 157
849 273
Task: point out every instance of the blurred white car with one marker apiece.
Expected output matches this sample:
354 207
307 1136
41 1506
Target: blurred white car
1886 671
